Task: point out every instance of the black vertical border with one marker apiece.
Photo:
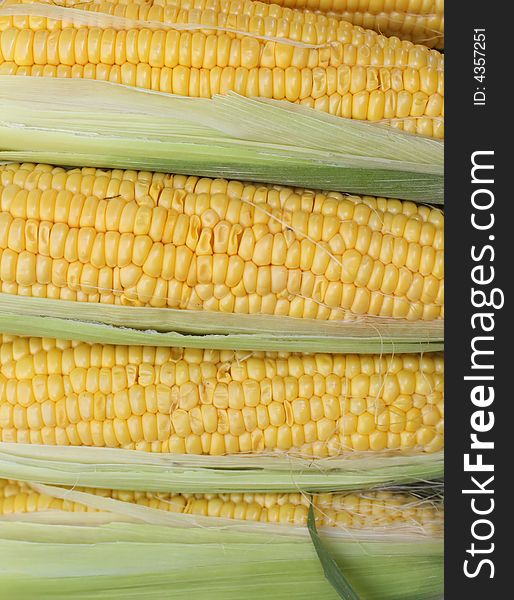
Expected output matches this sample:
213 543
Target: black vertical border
468 129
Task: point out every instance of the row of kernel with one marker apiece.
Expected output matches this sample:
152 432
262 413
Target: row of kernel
159 48
141 185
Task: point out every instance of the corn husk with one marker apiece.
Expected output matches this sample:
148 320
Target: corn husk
95 123
114 324
77 555
134 470
210 545
336 547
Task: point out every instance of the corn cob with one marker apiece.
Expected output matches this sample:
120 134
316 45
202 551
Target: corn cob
356 510
217 402
420 21
18 497
143 239
327 64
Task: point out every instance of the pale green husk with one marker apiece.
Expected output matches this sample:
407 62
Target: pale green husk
119 511
85 559
134 470
142 561
113 324
95 123
234 558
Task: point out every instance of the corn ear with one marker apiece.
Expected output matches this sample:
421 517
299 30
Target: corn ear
72 556
371 513
326 64
94 123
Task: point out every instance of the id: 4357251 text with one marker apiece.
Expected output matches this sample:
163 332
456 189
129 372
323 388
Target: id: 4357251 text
479 57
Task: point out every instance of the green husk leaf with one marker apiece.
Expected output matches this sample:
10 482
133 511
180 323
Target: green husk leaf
125 560
133 470
333 574
114 324
94 123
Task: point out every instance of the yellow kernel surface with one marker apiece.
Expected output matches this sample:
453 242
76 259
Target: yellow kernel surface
419 22
192 401
151 239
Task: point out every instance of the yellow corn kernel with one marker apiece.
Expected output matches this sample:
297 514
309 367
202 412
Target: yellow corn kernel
204 401
332 259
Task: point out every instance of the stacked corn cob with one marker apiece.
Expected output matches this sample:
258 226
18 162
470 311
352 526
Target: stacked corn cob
252 49
420 21
151 240
217 402
367 531
352 510
195 430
